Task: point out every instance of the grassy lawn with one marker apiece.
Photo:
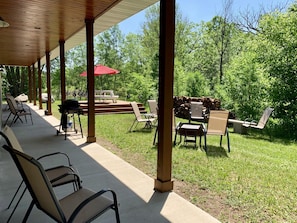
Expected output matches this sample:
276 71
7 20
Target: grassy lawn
253 183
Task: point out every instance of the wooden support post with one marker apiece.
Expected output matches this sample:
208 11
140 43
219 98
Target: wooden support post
48 82
164 183
90 79
30 84
34 84
39 85
62 70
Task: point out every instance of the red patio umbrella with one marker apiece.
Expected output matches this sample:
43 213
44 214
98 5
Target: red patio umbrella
101 70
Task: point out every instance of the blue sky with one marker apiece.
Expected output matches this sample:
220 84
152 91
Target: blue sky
198 10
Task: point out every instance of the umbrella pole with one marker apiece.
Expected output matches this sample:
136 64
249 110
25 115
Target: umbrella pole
101 79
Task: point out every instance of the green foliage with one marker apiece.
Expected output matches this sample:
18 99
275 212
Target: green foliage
132 54
247 84
180 79
277 52
214 48
144 89
108 46
197 85
15 81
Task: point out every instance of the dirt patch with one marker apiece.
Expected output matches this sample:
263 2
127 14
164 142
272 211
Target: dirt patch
201 197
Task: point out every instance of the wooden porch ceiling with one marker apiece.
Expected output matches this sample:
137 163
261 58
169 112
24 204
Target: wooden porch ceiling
37 26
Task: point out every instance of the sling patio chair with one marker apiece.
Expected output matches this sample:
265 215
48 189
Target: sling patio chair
153 106
80 206
58 175
196 112
262 122
217 125
16 111
145 118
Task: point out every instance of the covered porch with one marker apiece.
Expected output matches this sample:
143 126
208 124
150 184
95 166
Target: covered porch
98 168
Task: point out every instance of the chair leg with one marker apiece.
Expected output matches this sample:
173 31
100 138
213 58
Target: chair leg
228 141
13 121
31 119
65 131
221 141
132 126
17 204
116 209
18 117
174 143
15 194
28 212
155 136
205 147
80 126
7 118
148 124
15 118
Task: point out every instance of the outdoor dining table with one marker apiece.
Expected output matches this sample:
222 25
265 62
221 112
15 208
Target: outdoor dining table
189 131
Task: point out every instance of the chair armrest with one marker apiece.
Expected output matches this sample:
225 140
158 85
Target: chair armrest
190 116
204 129
75 176
56 154
179 124
148 115
91 198
249 122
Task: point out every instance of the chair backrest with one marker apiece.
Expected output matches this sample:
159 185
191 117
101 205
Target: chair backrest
136 110
266 114
38 184
13 101
153 106
11 138
13 107
217 123
196 109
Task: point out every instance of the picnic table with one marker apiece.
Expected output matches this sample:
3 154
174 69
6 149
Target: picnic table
237 126
106 95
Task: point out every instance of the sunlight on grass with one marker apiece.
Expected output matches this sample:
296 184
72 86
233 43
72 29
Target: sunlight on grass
256 180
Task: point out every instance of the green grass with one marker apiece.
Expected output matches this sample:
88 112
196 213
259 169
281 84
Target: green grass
254 183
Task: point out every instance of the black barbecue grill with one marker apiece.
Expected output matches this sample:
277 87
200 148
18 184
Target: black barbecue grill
68 109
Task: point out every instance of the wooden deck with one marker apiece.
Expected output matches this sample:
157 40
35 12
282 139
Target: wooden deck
108 107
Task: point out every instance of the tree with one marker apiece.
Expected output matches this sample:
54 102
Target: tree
248 19
197 85
277 51
16 80
108 47
150 40
214 46
246 83
184 47
140 88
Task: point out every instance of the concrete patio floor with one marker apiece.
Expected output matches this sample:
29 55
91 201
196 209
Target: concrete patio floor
98 169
